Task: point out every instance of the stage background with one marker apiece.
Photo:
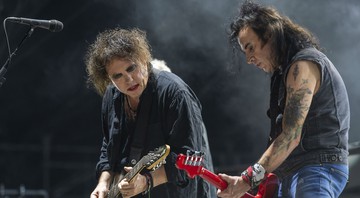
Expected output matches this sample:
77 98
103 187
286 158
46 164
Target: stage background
50 131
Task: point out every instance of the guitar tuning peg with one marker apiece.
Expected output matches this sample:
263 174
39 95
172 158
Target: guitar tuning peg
189 152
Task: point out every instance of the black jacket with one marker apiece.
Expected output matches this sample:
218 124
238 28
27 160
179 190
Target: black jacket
174 119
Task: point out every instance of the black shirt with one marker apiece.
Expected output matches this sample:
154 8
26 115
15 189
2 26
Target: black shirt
174 119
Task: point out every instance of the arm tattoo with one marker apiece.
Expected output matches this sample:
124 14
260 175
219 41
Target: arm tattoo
296 106
296 71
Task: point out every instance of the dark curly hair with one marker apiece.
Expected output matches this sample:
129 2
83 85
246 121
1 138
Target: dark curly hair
128 44
286 37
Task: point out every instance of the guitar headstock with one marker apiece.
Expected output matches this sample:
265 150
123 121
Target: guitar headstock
191 162
154 159
151 161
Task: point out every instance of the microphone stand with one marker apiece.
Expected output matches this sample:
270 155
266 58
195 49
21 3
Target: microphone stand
6 65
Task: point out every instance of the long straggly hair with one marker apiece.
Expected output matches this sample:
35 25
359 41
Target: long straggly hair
128 44
286 37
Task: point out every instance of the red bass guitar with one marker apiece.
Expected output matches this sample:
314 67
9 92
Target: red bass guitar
191 163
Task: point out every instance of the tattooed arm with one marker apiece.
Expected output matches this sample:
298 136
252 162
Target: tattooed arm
303 81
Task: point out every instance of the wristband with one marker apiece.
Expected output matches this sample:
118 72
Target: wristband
149 181
254 175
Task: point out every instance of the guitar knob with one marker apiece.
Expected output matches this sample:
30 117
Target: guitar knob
133 161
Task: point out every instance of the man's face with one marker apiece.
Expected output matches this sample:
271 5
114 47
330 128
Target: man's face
128 77
256 53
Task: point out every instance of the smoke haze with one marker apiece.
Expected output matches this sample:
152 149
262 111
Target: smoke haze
45 101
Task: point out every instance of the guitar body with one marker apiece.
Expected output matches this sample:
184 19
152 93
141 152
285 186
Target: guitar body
267 189
191 163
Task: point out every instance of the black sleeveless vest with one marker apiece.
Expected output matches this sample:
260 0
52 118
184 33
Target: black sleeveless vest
324 137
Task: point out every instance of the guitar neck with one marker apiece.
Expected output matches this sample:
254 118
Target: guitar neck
136 170
217 181
213 179
114 191
191 164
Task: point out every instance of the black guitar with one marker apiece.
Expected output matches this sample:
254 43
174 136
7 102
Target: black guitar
151 161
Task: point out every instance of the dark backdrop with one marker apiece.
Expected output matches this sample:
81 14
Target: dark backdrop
50 121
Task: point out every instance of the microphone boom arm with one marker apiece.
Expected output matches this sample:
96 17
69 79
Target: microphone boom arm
4 68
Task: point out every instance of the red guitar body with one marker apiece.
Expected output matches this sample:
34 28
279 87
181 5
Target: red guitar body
192 165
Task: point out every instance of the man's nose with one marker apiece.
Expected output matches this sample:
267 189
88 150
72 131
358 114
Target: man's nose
128 78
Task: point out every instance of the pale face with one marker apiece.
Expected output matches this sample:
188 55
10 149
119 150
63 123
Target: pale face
128 77
255 53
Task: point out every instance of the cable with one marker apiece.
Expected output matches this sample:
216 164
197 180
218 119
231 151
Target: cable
7 40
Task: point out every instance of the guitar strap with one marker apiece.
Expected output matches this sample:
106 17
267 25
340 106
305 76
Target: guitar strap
142 120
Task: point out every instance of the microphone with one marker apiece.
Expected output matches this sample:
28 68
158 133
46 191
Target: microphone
52 25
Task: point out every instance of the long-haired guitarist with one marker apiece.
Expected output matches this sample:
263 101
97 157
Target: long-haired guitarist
309 107
143 108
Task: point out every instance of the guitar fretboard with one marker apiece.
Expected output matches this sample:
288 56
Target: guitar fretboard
114 191
136 169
